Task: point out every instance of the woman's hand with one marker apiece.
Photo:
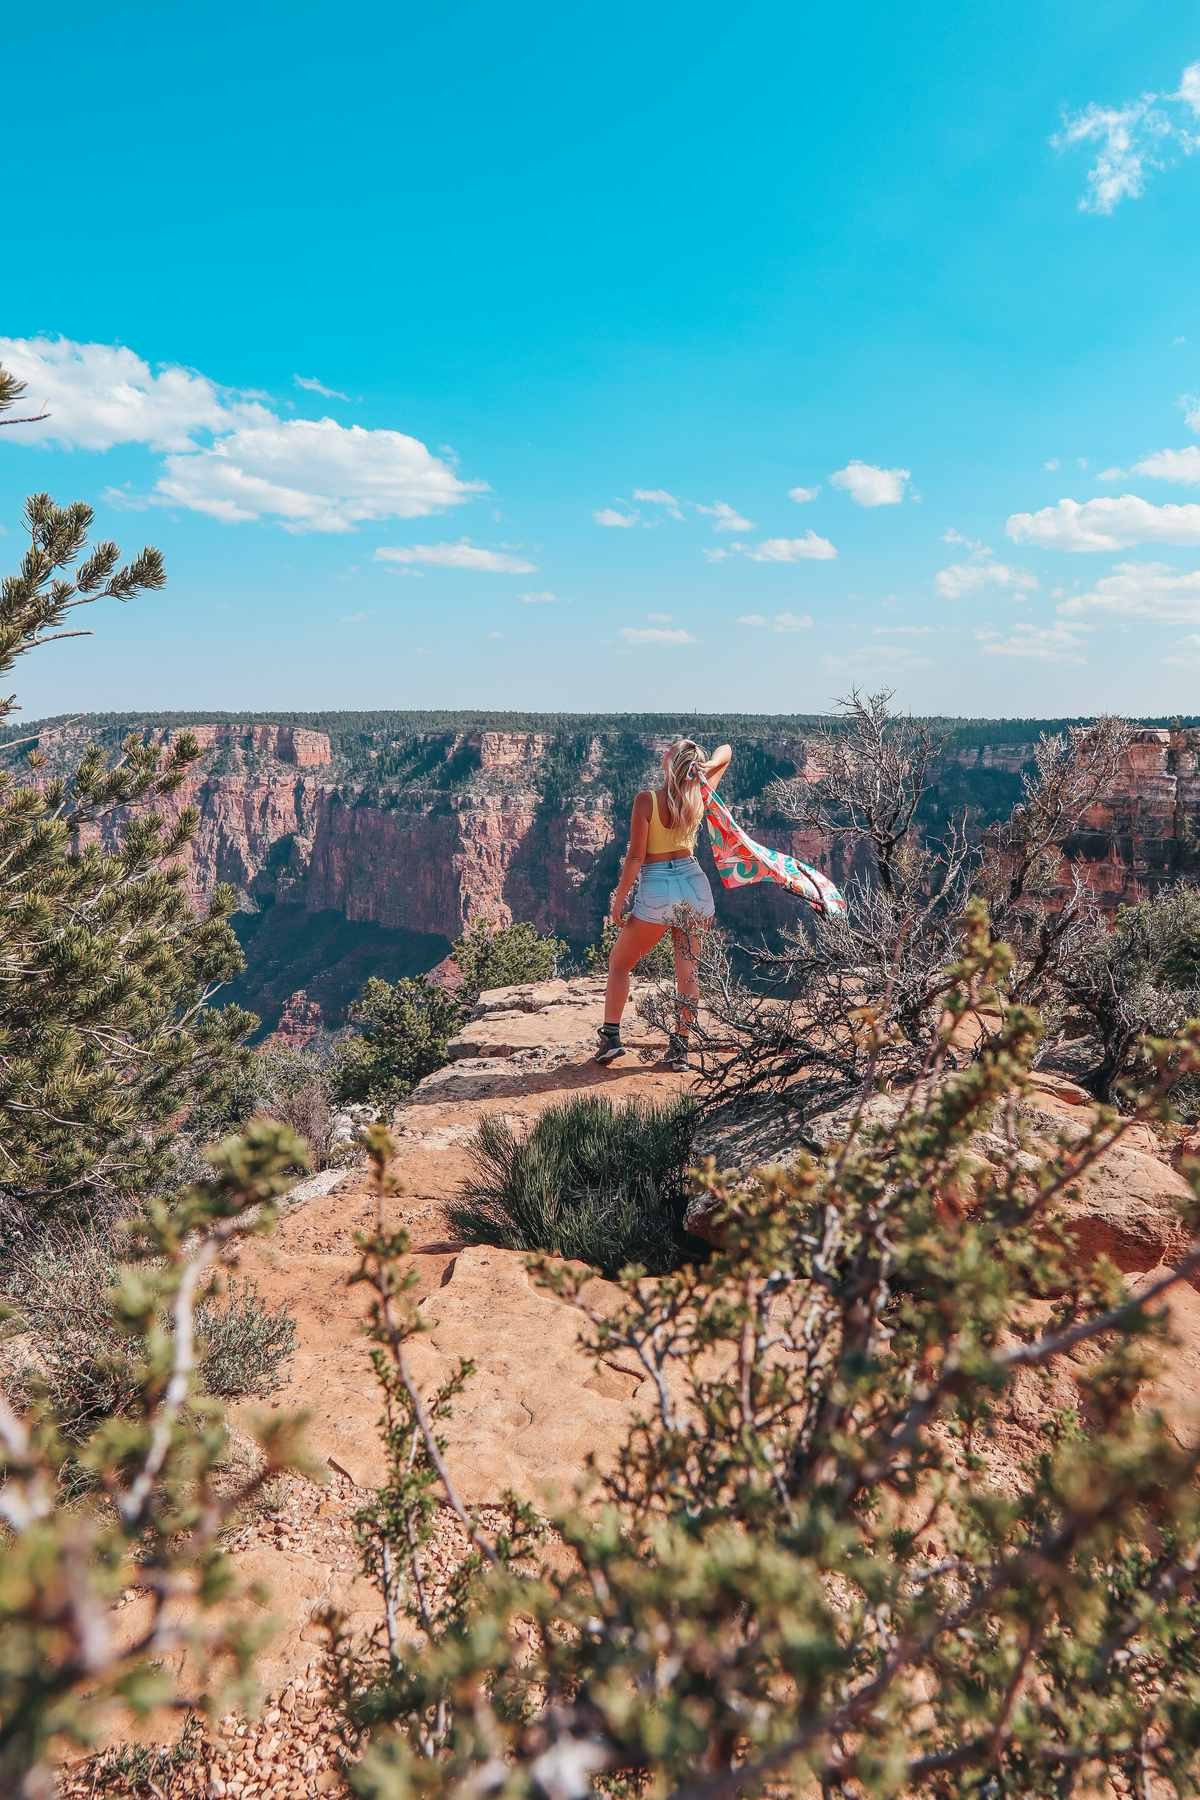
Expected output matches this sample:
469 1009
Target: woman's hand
617 911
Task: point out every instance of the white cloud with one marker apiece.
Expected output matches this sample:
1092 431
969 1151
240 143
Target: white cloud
1182 466
655 634
312 475
463 555
780 621
355 618
1051 464
1152 591
1106 524
99 395
724 517
1038 643
982 571
543 599
608 515
810 547
312 386
903 631
802 495
227 454
1113 474
869 486
1129 139
495 634
660 497
1191 410
1132 141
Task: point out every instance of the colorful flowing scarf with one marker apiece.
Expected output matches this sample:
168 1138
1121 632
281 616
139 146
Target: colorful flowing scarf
741 862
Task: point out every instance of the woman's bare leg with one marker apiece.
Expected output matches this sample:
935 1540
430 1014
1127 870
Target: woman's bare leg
636 940
686 940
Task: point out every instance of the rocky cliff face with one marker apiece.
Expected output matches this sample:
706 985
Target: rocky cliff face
368 852
1143 834
279 826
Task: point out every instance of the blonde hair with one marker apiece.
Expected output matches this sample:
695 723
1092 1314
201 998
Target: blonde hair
685 802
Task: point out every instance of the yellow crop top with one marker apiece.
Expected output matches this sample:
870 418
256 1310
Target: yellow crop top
663 839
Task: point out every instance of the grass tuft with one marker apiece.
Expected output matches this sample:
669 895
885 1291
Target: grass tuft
591 1181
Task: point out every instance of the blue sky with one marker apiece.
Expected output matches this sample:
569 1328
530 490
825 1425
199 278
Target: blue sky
894 316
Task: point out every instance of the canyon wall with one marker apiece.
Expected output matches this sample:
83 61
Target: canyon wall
277 824
1142 835
352 860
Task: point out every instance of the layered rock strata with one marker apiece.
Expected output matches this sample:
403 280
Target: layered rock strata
500 825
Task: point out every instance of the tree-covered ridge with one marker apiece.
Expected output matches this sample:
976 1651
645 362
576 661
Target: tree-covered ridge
433 760
339 726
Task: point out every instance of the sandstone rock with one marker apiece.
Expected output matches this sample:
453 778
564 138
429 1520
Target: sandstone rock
539 996
346 1128
481 1077
1128 1205
702 1217
299 1023
535 1407
323 1182
516 1034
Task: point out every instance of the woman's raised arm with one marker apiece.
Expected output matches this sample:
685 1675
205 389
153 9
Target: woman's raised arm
717 764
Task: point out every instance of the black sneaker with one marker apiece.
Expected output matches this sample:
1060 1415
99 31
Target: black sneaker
677 1054
610 1045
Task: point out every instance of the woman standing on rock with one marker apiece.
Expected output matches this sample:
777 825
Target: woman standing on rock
671 893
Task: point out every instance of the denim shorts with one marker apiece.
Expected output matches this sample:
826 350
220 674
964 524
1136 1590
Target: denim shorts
664 887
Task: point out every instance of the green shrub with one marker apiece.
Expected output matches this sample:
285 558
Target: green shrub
831 1556
495 956
658 966
598 1183
108 1035
1141 977
165 1512
403 1029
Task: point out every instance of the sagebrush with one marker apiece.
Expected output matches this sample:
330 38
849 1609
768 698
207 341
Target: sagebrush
845 1002
59 1344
